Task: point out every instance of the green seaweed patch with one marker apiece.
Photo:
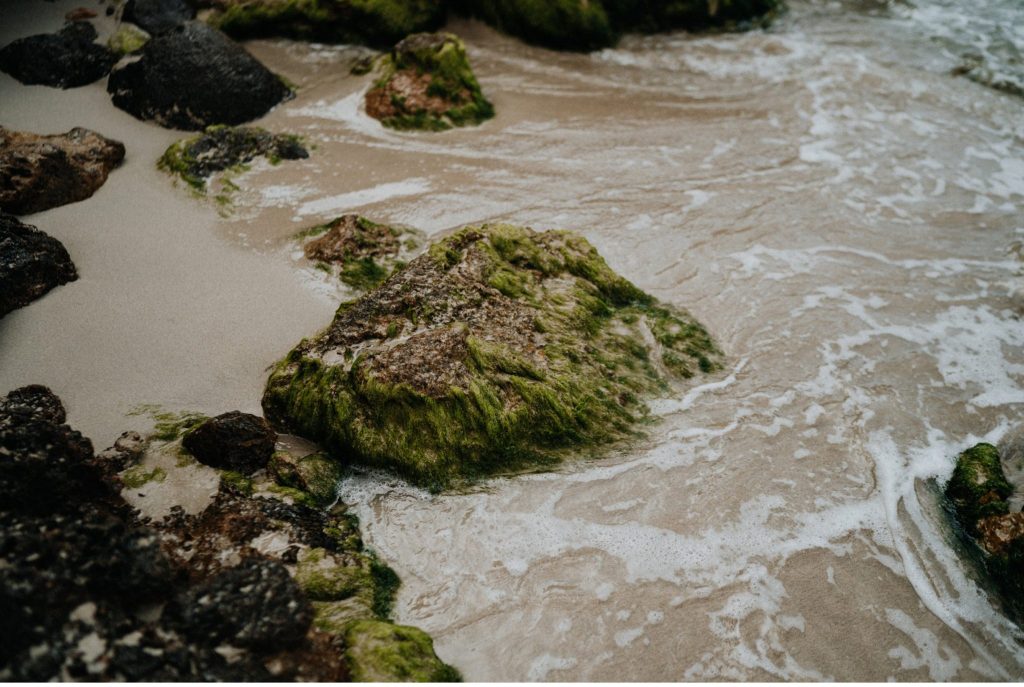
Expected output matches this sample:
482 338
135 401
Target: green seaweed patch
499 350
137 476
127 39
297 496
378 651
237 482
169 426
978 488
385 586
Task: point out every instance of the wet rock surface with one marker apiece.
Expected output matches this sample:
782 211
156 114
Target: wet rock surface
31 264
426 83
40 172
232 441
192 77
127 39
224 147
363 251
92 590
66 59
494 351
379 23
157 16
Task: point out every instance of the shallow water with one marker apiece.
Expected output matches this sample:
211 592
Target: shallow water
837 208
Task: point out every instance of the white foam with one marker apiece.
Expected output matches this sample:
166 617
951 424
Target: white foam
375 194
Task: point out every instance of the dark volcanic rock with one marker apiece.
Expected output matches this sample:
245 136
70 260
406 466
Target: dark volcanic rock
233 441
37 401
66 59
42 172
157 16
31 263
192 77
222 147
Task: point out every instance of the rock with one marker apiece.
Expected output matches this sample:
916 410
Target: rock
192 77
40 172
224 147
996 533
31 263
157 16
232 441
978 488
426 83
365 252
36 401
379 23
498 349
380 652
254 605
595 24
317 475
127 39
67 59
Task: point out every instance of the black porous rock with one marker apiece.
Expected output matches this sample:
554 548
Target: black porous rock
233 441
194 76
66 59
31 263
157 16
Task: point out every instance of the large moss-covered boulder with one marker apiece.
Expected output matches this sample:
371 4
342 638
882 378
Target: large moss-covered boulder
595 24
378 23
978 487
426 82
498 349
381 652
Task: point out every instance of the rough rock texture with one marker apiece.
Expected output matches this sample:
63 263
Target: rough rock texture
978 491
426 82
90 592
232 441
157 16
127 39
42 172
379 23
192 77
497 350
595 24
223 147
67 59
379 651
31 263
364 252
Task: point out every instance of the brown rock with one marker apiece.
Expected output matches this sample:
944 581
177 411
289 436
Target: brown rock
40 172
997 532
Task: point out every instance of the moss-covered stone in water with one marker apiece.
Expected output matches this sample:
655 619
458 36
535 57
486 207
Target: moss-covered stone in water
324 578
222 148
978 487
377 23
169 426
498 350
237 482
138 476
426 83
127 39
377 651
365 252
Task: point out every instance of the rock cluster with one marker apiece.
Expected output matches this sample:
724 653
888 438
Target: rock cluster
66 59
31 263
425 82
498 349
41 172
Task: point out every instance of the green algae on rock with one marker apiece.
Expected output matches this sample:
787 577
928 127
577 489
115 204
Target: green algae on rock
498 350
221 148
978 487
365 252
127 39
426 83
377 23
379 651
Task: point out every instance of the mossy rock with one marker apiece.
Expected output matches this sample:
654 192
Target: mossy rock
378 23
500 349
221 148
426 83
378 651
978 488
127 39
360 252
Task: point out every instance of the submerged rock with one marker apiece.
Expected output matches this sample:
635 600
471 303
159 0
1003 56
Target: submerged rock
377 23
157 16
365 252
31 263
498 349
42 172
127 39
67 59
193 77
426 83
232 441
978 487
595 24
224 147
